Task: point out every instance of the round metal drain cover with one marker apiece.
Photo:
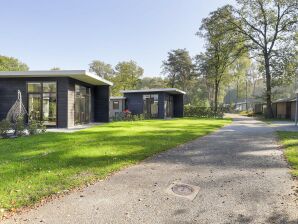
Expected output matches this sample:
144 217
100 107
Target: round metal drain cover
182 189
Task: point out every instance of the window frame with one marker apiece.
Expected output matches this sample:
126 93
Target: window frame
154 99
118 105
87 95
41 93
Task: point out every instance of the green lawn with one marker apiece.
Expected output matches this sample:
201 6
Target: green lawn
37 166
290 142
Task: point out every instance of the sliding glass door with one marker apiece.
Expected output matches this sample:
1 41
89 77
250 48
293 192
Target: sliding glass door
42 102
150 105
82 104
169 106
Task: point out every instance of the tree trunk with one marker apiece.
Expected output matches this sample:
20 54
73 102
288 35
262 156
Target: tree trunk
216 96
254 88
268 87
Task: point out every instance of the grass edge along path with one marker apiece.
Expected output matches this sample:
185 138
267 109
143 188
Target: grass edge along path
34 167
289 140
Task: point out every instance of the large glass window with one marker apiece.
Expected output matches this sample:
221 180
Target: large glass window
42 102
150 105
169 106
82 104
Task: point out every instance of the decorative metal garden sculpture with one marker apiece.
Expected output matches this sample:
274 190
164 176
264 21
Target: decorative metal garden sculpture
17 111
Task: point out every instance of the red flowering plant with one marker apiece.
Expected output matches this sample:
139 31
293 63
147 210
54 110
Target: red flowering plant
126 114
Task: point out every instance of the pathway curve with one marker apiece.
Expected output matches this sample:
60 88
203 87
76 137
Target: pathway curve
240 171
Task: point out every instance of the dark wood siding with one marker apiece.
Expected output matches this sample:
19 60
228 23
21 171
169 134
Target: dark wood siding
101 103
134 103
178 105
8 94
161 105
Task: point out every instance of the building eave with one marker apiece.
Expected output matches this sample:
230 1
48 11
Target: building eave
167 90
81 75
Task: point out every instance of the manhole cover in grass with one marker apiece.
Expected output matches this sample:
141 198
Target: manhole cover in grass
182 189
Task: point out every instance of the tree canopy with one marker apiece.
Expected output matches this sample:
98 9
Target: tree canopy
12 64
269 28
179 68
223 49
127 76
102 69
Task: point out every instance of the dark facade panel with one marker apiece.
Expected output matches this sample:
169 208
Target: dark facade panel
134 102
161 105
8 94
62 101
178 105
101 103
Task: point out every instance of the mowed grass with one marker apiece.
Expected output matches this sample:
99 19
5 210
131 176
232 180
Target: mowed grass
290 142
37 166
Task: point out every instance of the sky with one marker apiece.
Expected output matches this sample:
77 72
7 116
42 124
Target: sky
69 34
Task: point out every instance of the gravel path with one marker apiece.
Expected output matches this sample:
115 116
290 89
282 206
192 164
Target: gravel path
239 171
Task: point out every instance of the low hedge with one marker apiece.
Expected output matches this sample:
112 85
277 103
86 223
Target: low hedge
202 112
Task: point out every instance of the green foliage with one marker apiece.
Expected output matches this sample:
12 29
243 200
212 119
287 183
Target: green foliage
269 28
223 48
127 116
42 127
33 127
179 68
12 64
202 112
55 69
41 165
101 69
290 141
127 76
152 83
19 127
5 126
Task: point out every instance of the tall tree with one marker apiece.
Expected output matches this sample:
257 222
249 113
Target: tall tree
240 70
178 68
127 76
223 48
152 83
12 64
268 27
101 69
55 69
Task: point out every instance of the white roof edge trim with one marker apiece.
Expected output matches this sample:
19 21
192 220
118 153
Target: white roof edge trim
117 98
81 75
154 90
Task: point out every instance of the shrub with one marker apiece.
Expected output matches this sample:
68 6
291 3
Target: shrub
19 127
33 127
5 126
141 117
42 127
202 112
128 116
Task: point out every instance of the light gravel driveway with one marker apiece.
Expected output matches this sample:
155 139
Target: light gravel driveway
240 171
